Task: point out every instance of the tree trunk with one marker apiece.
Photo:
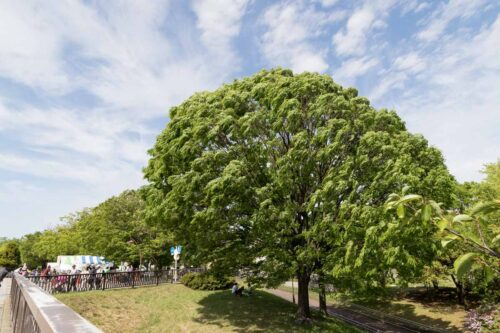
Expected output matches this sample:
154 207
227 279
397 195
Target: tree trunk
382 280
435 284
460 290
303 310
322 296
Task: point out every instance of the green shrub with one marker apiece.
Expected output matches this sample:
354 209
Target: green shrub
206 281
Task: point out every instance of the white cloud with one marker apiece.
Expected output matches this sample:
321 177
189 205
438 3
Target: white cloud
353 68
328 3
291 30
351 40
415 6
118 53
410 62
29 50
454 101
422 6
96 133
440 19
387 83
220 22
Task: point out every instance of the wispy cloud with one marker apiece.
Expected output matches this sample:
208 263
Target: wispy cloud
353 68
291 28
351 40
454 101
440 19
220 22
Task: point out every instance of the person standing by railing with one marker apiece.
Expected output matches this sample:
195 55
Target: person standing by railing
53 280
45 272
73 279
3 274
98 277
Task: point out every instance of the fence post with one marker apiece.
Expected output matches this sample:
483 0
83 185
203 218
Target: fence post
131 277
157 277
103 281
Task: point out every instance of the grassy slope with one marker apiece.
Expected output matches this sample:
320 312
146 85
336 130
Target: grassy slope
443 314
175 308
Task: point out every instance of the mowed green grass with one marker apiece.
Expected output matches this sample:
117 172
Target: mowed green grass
176 308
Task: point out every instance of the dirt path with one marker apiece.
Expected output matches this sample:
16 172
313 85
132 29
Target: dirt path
364 318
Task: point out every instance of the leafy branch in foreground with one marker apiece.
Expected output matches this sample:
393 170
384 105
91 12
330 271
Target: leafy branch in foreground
477 232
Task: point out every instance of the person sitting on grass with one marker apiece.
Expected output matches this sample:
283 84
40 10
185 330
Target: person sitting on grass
239 292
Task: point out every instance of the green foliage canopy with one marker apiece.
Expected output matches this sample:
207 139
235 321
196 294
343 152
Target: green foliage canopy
285 174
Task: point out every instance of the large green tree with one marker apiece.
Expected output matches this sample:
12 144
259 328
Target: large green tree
281 173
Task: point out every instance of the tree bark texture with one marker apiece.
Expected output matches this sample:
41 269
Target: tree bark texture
303 310
322 296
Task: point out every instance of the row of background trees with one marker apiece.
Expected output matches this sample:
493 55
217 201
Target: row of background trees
115 229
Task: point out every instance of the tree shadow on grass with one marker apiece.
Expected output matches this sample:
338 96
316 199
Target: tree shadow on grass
261 312
403 305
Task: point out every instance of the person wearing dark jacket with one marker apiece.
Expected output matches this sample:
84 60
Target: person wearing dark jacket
3 274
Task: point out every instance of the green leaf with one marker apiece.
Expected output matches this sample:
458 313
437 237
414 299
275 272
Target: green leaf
463 264
436 206
442 224
401 211
486 207
409 197
496 239
426 213
406 188
489 274
461 218
448 240
392 197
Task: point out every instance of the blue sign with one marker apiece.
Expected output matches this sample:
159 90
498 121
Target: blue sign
175 250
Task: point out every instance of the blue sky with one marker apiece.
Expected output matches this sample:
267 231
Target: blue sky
86 86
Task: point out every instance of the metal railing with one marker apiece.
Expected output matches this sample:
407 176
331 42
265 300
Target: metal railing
33 311
63 283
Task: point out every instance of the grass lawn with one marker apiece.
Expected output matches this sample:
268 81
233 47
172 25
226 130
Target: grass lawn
413 303
175 308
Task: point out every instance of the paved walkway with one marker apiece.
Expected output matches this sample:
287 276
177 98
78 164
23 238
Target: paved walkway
366 319
5 322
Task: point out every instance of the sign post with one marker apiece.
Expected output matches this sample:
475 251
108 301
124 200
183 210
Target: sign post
176 252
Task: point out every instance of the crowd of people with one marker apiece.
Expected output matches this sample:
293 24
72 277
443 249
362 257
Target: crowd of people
87 277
